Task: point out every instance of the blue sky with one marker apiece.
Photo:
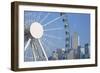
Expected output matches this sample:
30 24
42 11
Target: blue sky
78 22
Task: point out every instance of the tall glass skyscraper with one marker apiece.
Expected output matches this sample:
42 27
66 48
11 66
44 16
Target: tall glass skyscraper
75 40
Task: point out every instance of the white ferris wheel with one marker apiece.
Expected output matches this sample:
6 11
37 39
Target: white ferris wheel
43 33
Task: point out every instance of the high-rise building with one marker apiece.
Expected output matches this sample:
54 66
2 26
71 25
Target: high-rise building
87 51
70 54
75 45
79 41
54 55
75 40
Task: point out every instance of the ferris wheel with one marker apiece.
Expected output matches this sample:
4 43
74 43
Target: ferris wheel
44 32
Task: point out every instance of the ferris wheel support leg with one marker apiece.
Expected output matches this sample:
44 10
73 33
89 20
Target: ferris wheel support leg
28 42
43 49
34 55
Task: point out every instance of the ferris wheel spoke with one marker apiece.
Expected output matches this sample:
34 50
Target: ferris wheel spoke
43 49
30 18
52 36
39 15
27 44
33 17
45 45
53 20
44 17
49 43
52 29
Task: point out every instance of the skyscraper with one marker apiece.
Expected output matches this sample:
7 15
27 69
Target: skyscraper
75 40
87 50
75 45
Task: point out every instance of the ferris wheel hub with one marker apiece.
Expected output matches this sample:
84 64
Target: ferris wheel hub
36 30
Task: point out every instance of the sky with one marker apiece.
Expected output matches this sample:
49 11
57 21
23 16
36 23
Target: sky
53 39
80 23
